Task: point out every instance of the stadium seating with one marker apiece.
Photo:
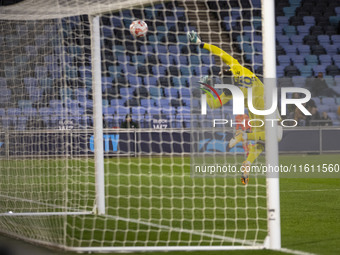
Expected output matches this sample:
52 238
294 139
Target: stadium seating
158 74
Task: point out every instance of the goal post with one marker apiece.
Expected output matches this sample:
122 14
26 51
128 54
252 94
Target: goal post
99 129
272 152
97 114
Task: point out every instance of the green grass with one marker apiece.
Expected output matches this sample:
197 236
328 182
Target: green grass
154 189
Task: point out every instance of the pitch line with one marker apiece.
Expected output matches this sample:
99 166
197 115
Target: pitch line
188 231
37 202
296 252
309 190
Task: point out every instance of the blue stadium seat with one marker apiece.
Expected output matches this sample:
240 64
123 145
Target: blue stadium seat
25 104
87 104
334 20
140 59
303 49
186 102
328 101
185 93
332 49
71 72
336 59
124 92
138 110
122 110
65 93
169 110
164 102
194 60
325 60
283 60
289 30
289 49
299 81
30 82
105 103
109 110
154 111
296 39
279 30
319 68
147 49
174 49
309 20
182 38
155 92
150 80
305 71
164 59
323 108
303 30
45 111
312 60
289 11
171 92
323 39
176 82
185 71
159 70
161 49
134 80
85 71
118 102
280 71
183 110
13 111
298 59
182 60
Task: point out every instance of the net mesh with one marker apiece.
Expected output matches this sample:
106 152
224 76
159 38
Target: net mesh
47 172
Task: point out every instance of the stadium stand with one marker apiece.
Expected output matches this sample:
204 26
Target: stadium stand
148 79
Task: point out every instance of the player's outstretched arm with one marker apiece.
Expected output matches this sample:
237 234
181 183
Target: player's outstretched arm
229 60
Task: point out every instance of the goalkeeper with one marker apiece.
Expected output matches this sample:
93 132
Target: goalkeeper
245 79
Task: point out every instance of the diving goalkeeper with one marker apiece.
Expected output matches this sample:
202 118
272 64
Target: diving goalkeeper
245 79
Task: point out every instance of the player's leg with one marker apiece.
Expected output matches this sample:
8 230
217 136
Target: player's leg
254 151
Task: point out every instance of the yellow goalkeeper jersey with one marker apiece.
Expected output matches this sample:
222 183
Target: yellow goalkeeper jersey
243 77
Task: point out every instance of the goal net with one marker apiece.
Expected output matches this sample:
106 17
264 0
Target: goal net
99 129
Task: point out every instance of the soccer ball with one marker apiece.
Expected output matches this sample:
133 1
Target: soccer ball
138 28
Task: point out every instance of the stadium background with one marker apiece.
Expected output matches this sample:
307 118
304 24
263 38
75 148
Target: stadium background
153 76
33 96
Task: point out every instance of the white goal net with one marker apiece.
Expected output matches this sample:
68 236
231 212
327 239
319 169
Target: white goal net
97 126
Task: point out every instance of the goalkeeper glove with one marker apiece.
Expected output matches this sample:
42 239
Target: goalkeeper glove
193 37
204 79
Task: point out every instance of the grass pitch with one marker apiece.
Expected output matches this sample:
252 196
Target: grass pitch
309 207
